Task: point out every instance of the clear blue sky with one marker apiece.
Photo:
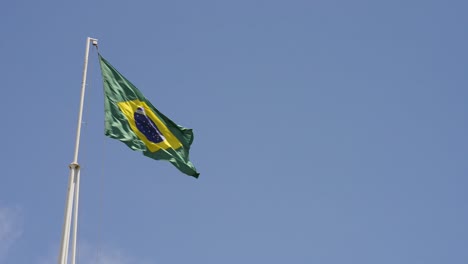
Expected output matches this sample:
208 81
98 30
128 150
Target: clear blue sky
326 132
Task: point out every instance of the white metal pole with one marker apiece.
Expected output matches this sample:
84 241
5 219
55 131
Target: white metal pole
73 184
68 214
80 112
75 215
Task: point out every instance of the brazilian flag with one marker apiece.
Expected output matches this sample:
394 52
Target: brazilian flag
132 119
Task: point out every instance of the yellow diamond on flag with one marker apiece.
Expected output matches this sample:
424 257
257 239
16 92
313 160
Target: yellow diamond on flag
132 109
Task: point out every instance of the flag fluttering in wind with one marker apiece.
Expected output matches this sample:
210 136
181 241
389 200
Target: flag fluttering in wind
132 119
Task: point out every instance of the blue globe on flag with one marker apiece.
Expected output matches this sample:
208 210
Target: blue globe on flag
147 127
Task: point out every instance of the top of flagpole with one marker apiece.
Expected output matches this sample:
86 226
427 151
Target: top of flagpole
83 88
93 41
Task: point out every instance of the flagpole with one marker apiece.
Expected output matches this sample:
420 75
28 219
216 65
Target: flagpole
75 217
74 178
